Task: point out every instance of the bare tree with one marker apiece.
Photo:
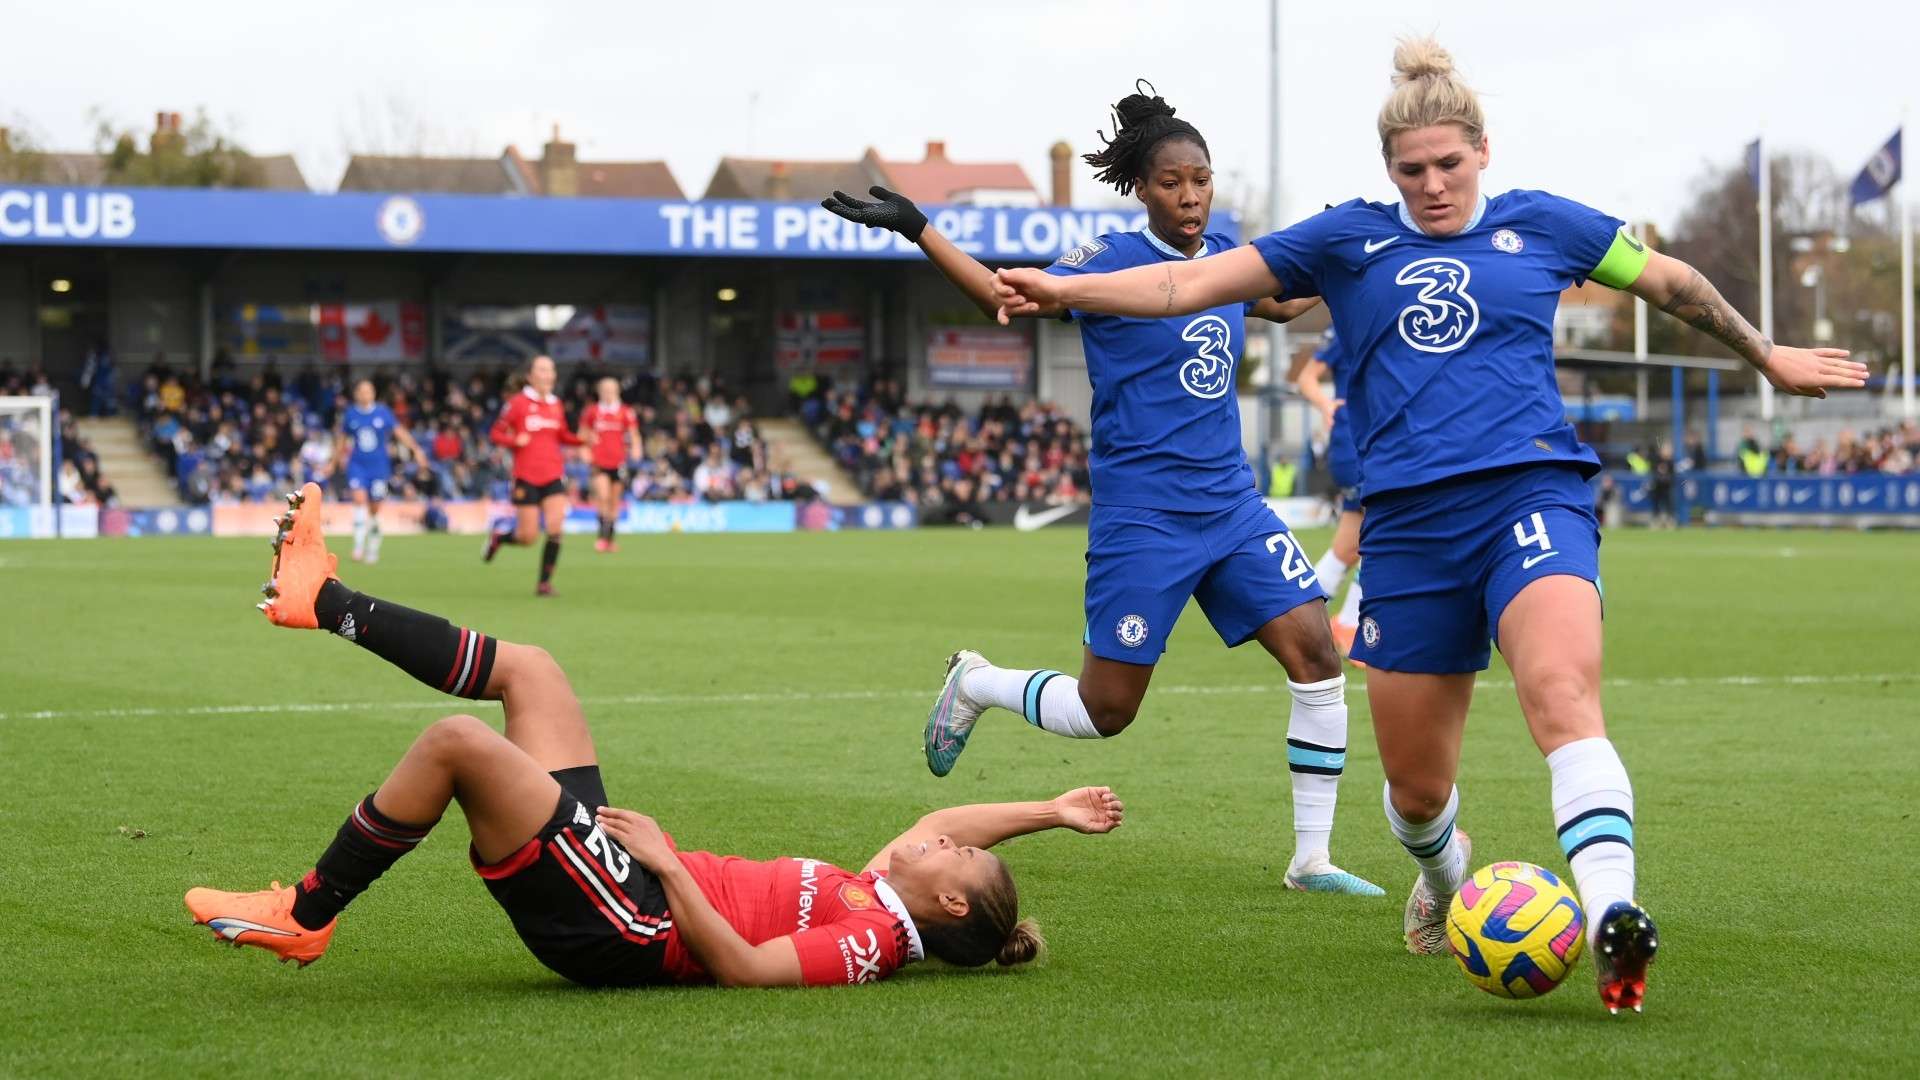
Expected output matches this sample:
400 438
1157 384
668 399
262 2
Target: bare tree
22 161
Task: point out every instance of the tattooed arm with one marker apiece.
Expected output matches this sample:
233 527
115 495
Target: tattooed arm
1686 294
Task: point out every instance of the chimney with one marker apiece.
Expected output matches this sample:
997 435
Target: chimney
559 172
1062 156
779 183
166 132
936 150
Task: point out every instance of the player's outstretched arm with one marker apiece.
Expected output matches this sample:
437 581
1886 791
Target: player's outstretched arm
897 213
1140 292
1089 810
714 943
1282 311
1683 292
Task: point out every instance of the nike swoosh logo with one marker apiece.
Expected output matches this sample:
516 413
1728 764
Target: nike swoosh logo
1027 521
1375 245
1527 563
233 928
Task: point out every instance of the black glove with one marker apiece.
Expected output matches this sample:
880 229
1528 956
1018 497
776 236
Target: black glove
894 211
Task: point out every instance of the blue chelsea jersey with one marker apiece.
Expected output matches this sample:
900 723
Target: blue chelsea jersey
1451 336
1166 422
368 429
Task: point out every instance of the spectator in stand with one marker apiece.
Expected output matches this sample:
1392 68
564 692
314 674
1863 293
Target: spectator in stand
96 378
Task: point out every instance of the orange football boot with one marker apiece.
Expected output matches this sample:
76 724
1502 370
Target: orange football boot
1343 640
263 919
301 563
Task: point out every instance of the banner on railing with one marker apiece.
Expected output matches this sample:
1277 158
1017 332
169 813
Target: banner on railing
1860 495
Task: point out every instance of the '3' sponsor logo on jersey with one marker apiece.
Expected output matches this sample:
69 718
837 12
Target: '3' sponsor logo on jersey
1442 316
1210 374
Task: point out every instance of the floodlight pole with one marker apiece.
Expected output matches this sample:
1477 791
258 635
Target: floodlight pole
1277 356
1765 202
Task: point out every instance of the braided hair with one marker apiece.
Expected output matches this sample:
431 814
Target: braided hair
1141 121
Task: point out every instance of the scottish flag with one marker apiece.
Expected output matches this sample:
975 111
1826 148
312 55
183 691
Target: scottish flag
1881 172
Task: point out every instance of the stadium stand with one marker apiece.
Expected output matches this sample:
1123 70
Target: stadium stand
235 438
940 458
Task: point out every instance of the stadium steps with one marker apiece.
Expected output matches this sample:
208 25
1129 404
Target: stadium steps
138 477
789 441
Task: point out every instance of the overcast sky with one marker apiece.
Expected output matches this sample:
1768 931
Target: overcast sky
1621 103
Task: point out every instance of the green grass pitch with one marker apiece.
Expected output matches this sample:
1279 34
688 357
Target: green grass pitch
764 695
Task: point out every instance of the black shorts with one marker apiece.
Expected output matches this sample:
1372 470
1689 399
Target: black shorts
525 494
617 474
581 904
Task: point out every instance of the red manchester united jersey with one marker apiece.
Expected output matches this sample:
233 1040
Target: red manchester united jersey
544 421
848 928
609 427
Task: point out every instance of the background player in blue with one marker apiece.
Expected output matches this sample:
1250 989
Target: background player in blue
1343 462
362 438
1479 519
1175 513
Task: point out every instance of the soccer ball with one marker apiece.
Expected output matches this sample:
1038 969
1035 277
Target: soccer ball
1516 929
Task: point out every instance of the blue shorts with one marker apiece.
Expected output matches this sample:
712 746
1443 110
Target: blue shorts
369 481
1242 564
1440 563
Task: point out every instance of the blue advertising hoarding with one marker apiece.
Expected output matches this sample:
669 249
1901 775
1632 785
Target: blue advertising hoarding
507 224
1860 495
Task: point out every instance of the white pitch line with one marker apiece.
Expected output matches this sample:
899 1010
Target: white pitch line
802 696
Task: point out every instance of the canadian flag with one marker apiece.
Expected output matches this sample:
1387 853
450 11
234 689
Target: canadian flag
381 330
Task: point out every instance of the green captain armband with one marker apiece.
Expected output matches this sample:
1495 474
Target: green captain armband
1623 263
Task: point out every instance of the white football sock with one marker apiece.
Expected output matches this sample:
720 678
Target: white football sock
1350 607
359 530
1432 844
1316 756
1593 811
373 538
1330 569
1046 698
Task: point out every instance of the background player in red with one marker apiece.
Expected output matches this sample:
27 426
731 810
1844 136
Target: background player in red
612 433
600 895
534 424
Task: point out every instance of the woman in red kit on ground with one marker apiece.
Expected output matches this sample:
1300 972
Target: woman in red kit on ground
612 434
533 424
599 895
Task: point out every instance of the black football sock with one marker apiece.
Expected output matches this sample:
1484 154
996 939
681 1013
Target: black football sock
548 556
449 658
367 844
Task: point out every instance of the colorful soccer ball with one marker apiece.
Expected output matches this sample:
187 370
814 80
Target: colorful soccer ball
1516 929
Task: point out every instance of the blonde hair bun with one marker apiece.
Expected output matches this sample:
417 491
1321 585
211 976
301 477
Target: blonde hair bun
1428 92
1022 945
1420 58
